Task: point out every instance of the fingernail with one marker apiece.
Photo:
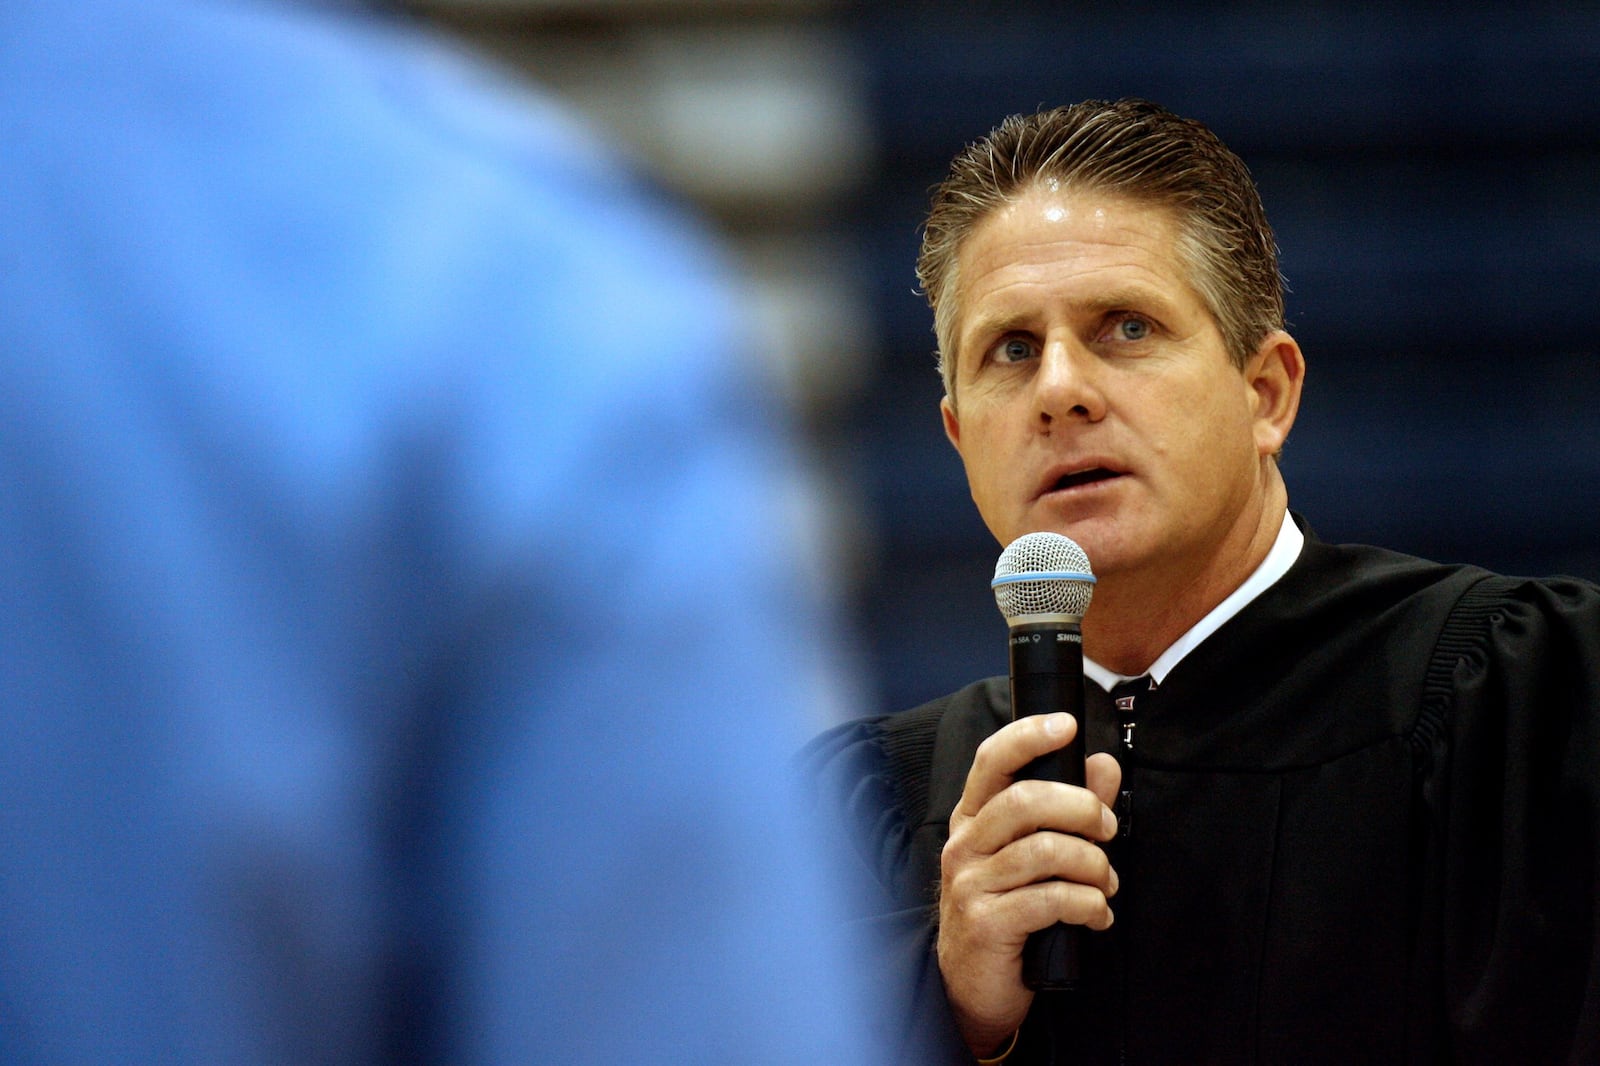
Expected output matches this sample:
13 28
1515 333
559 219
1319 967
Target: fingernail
1055 724
1108 822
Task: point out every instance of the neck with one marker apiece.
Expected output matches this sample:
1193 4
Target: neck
1136 616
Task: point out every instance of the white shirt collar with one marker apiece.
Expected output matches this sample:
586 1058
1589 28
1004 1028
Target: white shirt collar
1285 550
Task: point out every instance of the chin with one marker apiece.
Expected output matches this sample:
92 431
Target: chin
1107 548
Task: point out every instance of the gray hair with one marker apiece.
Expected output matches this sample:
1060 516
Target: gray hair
1129 148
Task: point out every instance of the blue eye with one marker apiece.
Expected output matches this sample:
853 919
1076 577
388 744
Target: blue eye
1015 350
1134 329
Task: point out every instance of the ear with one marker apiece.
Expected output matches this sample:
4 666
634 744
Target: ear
952 421
1275 376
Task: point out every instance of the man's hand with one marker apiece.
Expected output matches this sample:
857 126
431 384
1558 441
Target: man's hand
1019 859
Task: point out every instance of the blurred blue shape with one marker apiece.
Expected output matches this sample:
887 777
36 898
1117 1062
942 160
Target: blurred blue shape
403 632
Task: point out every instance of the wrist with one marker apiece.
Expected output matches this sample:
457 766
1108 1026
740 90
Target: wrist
1003 1052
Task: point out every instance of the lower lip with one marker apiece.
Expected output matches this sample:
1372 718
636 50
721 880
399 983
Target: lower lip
1084 488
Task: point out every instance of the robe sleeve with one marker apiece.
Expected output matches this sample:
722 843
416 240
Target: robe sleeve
1513 700
862 795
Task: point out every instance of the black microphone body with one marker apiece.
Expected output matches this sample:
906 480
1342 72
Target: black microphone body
1043 585
1047 676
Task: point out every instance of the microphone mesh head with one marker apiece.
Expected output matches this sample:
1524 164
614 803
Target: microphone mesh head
1043 573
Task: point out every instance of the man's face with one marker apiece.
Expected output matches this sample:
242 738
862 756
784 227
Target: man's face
1094 396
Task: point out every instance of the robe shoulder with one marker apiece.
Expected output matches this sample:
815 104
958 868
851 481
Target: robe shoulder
1512 788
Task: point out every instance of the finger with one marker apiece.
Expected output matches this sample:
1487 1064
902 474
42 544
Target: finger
1008 750
1026 807
1103 776
1048 856
1009 917
1074 904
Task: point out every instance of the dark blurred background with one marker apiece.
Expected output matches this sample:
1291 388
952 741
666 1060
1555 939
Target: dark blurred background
1433 174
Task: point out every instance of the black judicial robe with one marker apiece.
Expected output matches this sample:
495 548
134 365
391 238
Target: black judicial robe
1363 820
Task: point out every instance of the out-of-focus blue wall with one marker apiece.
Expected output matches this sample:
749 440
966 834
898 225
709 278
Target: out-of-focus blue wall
1434 179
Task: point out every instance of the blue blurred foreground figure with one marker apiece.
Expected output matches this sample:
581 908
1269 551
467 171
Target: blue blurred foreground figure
402 639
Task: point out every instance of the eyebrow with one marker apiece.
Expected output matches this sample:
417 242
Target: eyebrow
993 325
1130 298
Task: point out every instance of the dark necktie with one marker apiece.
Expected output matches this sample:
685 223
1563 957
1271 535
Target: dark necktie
1127 700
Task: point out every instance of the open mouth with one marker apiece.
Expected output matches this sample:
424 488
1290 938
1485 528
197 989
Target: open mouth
1084 477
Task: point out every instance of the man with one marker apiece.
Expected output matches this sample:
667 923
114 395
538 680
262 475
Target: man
1342 804
403 640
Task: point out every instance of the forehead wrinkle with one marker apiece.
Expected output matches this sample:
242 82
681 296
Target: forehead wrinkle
1020 268
1148 299
1027 261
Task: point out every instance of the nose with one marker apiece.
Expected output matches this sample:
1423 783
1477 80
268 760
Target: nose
1067 387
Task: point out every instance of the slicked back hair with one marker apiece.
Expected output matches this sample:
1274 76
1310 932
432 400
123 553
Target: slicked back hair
1132 149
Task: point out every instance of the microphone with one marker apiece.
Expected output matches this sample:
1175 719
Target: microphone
1042 584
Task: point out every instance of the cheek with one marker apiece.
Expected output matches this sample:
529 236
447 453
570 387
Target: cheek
987 465
1223 401
990 460
1197 432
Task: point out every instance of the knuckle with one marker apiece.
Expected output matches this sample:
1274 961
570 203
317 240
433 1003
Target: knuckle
962 884
1013 801
953 865
1039 849
1067 858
